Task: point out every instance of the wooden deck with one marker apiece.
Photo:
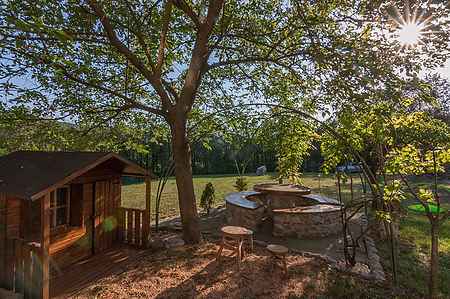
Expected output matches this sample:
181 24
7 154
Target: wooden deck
66 282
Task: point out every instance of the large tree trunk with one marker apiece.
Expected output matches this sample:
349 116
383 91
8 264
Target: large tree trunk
434 263
185 184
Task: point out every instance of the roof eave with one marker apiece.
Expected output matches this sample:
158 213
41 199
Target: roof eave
85 169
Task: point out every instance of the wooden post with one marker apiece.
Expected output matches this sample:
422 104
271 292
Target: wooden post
120 224
45 245
147 214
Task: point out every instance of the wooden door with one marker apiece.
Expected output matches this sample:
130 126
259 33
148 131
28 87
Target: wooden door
106 202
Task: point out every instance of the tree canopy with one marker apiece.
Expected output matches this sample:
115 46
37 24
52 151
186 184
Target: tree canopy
95 62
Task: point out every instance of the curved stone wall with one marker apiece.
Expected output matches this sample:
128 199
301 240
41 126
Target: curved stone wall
240 211
307 222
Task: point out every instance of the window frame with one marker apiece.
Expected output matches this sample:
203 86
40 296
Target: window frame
55 207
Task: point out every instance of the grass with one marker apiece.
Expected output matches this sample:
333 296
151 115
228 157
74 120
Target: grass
415 247
414 255
133 195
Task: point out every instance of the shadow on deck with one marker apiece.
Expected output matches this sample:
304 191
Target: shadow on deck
87 271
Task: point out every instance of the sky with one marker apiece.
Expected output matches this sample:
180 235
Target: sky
445 70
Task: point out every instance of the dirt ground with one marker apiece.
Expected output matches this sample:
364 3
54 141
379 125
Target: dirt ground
192 272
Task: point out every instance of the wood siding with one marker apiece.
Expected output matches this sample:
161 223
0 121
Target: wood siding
76 243
10 227
107 201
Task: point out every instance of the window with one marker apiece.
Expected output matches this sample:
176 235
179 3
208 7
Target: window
59 207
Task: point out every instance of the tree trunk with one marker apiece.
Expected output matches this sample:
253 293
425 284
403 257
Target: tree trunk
434 263
185 184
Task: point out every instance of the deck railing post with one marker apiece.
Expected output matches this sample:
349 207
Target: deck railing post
44 276
121 224
19 268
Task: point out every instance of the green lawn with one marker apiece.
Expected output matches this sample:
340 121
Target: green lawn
414 253
415 244
133 195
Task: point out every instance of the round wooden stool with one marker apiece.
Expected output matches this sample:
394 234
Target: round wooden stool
233 237
279 252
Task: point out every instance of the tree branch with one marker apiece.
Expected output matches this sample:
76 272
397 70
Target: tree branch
200 55
163 38
181 4
140 37
73 77
112 36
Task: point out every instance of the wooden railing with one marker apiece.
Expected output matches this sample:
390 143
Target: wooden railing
25 270
133 227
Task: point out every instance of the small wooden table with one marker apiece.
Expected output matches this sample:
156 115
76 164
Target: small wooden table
233 237
279 252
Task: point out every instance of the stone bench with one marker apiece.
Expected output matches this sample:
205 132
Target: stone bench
241 211
322 199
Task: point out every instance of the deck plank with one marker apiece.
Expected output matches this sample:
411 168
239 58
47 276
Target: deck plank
88 271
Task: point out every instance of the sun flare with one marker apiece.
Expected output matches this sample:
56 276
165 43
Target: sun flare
410 34
411 26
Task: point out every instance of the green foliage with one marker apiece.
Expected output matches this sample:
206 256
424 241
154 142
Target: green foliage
208 197
317 55
22 128
291 138
421 130
422 145
393 192
241 184
361 130
411 160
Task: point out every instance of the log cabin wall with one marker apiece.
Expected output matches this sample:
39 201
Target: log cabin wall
10 227
76 242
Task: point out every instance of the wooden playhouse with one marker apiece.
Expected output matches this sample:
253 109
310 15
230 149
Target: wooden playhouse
57 208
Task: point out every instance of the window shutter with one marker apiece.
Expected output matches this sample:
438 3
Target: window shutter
76 204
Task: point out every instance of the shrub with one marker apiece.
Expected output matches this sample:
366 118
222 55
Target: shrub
241 184
208 197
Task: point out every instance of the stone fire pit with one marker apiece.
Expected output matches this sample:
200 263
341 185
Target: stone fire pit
280 196
307 222
294 210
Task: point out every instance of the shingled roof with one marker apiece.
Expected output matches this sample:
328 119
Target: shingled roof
26 174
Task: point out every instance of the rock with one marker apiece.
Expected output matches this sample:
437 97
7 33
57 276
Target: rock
262 170
360 268
173 242
260 243
156 244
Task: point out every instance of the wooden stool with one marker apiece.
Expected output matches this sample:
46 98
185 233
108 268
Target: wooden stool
233 237
279 252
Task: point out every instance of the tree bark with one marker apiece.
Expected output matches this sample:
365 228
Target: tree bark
434 263
183 176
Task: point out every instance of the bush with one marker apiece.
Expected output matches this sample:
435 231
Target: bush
241 184
208 197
